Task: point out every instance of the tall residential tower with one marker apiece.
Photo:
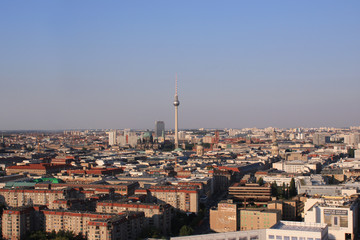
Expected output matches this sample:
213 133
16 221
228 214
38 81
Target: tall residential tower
176 104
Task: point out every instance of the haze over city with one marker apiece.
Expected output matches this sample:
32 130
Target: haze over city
96 64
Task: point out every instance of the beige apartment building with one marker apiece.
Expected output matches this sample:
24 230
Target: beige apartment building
22 197
224 218
96 226
123 189
228 218
252 219
182 198
17 222
156 215
289 208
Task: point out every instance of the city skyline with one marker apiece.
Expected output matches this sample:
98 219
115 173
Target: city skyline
91 65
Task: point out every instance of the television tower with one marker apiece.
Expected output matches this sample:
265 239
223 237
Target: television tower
176 104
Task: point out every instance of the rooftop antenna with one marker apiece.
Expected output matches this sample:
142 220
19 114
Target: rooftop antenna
176 87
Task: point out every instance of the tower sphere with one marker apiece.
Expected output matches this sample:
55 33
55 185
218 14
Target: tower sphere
176 101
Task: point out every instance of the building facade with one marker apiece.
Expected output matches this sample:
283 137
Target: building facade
159 129
185 199
156 215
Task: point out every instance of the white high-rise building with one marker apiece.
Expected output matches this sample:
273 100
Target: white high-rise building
112 138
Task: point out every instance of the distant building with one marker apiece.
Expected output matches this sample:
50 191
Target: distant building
250 193
129 139
320 139
352 139
37 168
112 138
159 129
199 149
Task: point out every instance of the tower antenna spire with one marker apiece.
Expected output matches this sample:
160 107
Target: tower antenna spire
176 82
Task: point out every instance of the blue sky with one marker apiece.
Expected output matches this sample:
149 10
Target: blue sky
112 64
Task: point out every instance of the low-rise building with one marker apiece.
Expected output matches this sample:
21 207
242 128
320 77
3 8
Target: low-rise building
252 219
37 168
289 208
286 230
283 230
225 218
250 193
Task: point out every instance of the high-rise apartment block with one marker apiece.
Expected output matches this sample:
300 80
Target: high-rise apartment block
320 139
17 222
159 129
112 138
352 139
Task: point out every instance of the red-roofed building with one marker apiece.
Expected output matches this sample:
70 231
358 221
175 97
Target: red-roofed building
37 168
23 197
182 198
96 171
123 189
95 225
156 215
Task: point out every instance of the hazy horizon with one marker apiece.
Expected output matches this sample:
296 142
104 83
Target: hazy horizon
240 64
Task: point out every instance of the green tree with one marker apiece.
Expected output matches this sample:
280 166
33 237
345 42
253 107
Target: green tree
274 190
186 230
206 145
261 181
39 235
351 153
332 180
292 188
150 232
283 191
60 235
189 146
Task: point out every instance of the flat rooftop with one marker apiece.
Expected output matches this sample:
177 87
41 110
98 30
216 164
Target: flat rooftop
299 226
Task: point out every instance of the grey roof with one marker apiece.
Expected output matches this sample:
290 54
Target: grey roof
292 226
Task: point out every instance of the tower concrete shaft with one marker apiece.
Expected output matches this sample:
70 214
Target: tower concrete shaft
176 128
176 104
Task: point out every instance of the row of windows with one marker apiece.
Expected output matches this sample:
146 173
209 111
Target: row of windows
277 237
